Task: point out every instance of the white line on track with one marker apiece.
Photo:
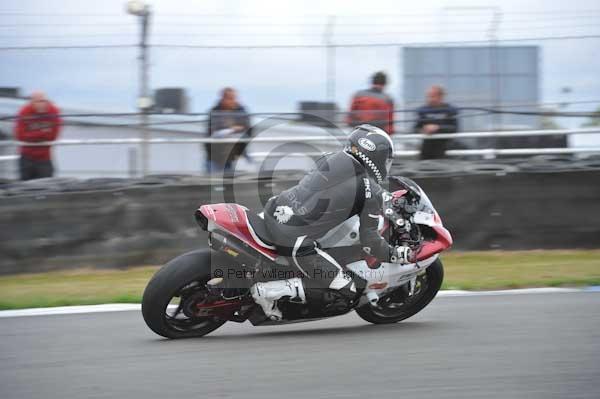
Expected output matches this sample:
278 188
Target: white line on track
111 307
544 290
121 307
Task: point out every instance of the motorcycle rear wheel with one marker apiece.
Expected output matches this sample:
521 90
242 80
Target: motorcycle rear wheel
398 306
185 278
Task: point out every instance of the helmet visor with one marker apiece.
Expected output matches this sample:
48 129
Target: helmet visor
388 164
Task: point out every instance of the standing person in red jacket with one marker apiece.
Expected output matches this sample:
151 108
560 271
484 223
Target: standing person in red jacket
38 121
373 106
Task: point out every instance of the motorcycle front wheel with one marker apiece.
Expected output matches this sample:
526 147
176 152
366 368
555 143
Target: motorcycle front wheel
398 305
171 294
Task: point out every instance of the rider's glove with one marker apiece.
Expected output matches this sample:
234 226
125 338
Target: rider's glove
402 255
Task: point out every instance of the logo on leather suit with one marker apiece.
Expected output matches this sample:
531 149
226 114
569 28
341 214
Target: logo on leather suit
283 214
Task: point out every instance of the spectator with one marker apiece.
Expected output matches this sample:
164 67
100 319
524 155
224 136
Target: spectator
38 121
373 106
228 118
435 117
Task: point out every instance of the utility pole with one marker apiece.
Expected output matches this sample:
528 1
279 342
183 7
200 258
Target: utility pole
329 60
143 12
495 67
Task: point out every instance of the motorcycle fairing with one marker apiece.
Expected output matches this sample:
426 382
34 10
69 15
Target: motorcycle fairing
388 275
234 219
442 241
347 233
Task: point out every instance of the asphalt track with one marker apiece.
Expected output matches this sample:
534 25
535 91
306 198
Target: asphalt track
517 346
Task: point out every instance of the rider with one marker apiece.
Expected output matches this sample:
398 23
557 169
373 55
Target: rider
342 185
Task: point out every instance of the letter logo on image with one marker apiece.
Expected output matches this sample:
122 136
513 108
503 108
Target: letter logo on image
367 144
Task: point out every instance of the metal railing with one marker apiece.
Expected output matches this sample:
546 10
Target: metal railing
283 139
485 152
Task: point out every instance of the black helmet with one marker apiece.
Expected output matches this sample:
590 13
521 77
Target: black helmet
372 147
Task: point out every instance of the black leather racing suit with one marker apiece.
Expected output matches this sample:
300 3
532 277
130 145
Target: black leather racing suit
337 189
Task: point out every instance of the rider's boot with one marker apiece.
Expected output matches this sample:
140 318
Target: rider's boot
266 294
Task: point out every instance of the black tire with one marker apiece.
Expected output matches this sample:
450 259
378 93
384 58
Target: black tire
434 275
166 284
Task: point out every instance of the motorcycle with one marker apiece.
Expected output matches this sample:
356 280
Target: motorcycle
196 293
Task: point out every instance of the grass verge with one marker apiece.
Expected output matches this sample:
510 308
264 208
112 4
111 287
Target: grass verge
463 270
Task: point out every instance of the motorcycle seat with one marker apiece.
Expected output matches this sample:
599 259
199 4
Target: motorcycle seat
258 230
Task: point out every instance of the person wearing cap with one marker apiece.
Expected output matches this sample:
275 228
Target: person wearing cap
38 121
373 106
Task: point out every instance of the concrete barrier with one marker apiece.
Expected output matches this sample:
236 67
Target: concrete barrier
119 223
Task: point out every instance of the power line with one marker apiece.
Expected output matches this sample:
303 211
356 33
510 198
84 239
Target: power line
370 27
58 24
69 35
482 110
396 32
447 20
299 46
70 47
358 45
303 16
27 14
287 34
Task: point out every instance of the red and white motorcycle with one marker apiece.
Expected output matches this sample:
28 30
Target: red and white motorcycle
199 291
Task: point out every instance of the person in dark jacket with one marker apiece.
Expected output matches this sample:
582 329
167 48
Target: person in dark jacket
38 121
433 118
342 185
228 119
373 106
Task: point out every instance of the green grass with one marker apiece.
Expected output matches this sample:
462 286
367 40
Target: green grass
464 270
74 287
519 269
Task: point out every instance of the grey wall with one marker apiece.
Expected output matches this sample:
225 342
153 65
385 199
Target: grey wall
141 224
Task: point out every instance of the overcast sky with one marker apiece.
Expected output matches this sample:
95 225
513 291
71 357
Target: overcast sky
275 80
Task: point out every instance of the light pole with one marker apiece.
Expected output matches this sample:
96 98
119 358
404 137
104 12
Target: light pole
329 60
142 11
495 66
